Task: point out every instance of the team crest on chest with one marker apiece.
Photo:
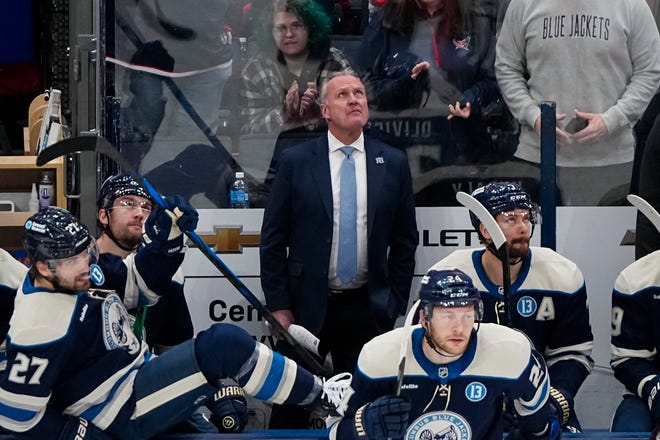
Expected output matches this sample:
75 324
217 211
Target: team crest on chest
117 326
445 425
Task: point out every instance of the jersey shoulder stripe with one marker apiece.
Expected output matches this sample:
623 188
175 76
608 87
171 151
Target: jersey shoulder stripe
13 271
500 352
44 317
639 275
379 358
552 272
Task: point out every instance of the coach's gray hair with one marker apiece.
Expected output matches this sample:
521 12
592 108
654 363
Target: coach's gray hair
343 72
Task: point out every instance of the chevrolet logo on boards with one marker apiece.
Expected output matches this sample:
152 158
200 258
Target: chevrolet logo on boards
230 240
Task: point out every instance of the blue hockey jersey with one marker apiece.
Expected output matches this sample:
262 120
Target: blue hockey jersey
635 318
461 400
548 304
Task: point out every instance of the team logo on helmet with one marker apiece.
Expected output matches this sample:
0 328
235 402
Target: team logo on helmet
445 425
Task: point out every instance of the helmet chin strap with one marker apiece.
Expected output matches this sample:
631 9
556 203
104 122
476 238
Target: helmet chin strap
427 336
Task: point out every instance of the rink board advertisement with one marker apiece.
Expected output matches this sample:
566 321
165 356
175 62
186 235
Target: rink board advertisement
597 239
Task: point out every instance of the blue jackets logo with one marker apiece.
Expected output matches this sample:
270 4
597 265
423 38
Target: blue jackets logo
445 425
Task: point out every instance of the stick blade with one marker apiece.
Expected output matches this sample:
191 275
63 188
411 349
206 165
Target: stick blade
66 146
484 216
75 144
645 208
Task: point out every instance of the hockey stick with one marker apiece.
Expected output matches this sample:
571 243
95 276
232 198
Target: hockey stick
404 348
645 208
499 241
101 145
137 41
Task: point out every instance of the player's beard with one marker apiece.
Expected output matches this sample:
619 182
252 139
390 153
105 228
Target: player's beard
80 283
519 248
127 236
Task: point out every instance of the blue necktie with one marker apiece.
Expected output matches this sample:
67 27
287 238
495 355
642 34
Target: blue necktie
347 253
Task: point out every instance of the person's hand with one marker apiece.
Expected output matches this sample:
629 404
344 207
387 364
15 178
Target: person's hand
419 68
292 100
284 317
164 227
593 132
385 417
229 411
456 110
308 99
563 138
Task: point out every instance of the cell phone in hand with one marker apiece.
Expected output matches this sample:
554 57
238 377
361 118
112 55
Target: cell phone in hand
576 124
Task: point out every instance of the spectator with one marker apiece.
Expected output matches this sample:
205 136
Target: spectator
437 54
599 95
457 371
281 82
635 343
548 299
310 274
75 368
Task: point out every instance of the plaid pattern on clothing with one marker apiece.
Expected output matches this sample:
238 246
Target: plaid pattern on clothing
265 84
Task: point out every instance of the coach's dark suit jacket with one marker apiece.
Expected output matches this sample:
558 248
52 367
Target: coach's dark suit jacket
298 216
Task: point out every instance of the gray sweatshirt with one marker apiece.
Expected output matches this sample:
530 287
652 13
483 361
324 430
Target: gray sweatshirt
596 56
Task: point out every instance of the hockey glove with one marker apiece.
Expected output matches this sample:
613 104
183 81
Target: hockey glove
80 429
385 417
562 402
229 411
651 393
164 227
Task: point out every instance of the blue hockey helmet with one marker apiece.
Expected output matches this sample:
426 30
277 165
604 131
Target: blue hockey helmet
118 186
54 234
449 288
498 197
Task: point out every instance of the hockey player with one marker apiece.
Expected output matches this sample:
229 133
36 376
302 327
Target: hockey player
75 370
12 273
456 374
122 208
548 300
635 344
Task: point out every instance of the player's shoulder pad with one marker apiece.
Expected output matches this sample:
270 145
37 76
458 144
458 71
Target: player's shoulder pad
41 317
639 275
379 358
13 271
552 271
501 352
459 259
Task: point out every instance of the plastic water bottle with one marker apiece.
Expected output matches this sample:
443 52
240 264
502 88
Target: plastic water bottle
46 190
238 195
